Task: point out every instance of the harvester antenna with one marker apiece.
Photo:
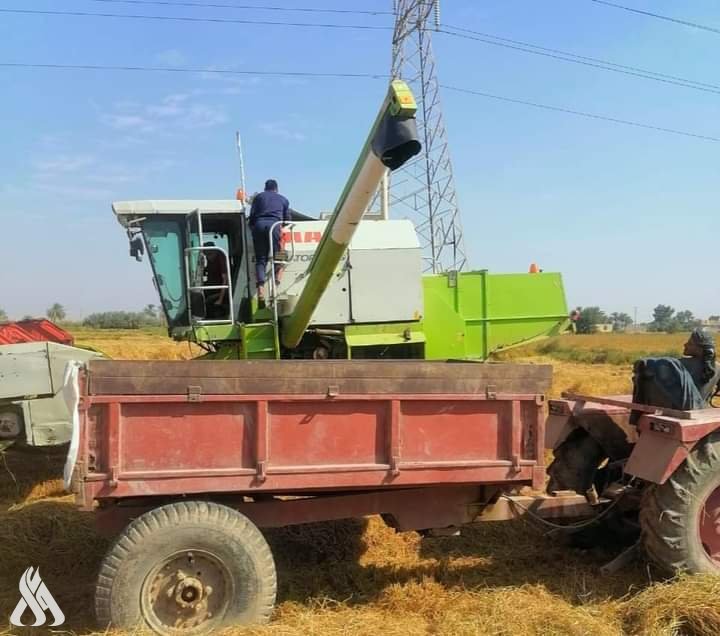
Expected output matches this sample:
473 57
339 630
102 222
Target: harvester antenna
241 162
423 190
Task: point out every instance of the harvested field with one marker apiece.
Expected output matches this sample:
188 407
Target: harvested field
603 348
359 577
135 344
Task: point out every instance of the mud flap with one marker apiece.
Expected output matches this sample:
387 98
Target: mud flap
655 457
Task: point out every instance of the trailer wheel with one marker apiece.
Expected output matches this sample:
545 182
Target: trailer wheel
680 519
191 566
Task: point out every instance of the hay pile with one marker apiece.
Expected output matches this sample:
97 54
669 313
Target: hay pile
359 577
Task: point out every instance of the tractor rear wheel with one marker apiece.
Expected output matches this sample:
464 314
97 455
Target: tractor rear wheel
680 519
191 566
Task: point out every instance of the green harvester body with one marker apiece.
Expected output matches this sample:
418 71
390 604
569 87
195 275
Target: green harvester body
352 287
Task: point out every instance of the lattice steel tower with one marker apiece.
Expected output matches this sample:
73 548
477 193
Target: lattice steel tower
424 189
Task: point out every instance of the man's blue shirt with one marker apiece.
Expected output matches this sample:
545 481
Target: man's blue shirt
269 206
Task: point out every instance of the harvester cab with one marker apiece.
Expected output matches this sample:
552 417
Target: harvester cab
349 290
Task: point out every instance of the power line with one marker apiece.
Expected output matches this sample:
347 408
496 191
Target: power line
316 74
584 61
167 18
582 57
579 113
496 41
659 16
173 69
244 6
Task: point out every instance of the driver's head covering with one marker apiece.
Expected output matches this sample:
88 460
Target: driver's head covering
703 338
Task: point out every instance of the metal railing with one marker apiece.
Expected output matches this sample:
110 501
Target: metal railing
202 288
273 285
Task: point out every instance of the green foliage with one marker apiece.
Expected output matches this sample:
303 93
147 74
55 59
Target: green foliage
121 320
3 316
686 321
665 319
56 312
155 314
589 317
620 321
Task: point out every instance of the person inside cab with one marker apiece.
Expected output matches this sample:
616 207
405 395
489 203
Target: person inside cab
215 273
268 207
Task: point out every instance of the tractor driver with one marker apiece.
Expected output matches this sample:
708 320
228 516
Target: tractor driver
268 208
699 360
215 273
686 383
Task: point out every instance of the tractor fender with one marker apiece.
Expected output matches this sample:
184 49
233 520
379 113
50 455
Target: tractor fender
656 457
664 443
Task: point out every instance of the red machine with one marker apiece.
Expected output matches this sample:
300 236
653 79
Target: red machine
196 456
660 467
33 330
202 453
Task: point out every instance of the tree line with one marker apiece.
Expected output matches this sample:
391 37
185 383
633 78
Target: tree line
665 319
150 316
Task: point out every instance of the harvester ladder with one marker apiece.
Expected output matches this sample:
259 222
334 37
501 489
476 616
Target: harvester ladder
273 283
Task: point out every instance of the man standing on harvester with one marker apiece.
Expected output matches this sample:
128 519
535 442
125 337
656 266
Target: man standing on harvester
268 208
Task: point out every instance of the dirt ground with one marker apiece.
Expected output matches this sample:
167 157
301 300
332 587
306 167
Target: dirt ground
359 577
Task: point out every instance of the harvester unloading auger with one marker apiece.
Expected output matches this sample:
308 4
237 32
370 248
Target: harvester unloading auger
350 289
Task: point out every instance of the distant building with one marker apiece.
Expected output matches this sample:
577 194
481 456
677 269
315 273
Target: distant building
712 323
602 327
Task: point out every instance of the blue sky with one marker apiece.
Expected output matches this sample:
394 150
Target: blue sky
627 215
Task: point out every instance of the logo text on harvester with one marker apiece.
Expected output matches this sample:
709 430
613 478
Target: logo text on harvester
35 595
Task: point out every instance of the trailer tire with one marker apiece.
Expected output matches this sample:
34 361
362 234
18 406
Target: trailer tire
193 565
680 519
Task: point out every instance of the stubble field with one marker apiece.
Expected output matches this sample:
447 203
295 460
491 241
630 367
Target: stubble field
359 577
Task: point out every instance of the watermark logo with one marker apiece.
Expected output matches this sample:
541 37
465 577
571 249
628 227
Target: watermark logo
35 595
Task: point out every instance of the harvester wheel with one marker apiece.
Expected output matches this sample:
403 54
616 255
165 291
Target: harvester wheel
680 519
191 566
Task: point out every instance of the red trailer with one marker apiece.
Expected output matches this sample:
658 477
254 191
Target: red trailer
188 459
197 455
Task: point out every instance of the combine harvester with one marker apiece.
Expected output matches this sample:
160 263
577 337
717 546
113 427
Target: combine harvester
186 460
362 295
